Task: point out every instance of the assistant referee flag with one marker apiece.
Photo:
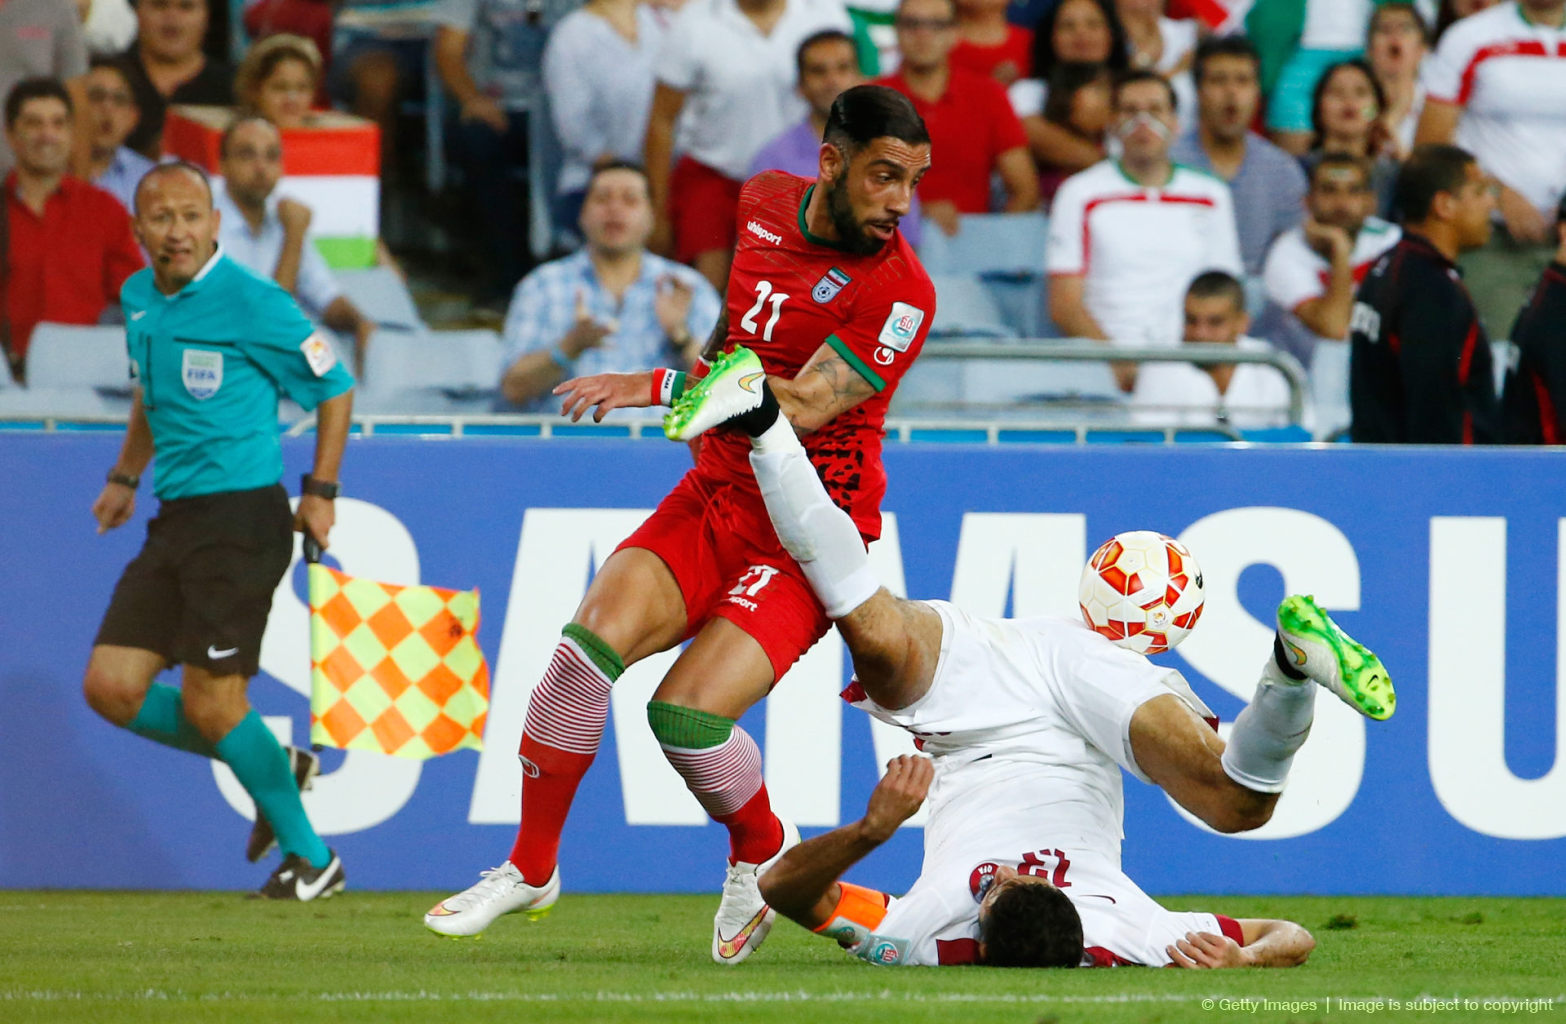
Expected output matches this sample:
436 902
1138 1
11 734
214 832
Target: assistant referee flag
395 669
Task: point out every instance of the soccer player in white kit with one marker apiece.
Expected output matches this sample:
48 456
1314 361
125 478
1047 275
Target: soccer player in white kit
1027 723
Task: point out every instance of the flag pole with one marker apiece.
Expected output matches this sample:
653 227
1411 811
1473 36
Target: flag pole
312 556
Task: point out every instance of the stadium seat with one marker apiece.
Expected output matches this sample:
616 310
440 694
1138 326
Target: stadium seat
434 372
382 296
965 309
989 245
62 356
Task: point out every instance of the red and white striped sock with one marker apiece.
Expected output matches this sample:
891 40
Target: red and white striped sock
726 780
565 723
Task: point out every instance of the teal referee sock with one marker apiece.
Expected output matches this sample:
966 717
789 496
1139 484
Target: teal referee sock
261 767
162 720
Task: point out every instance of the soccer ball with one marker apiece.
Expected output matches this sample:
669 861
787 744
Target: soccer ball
1142 590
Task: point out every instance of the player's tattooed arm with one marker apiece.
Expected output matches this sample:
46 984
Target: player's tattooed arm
825 388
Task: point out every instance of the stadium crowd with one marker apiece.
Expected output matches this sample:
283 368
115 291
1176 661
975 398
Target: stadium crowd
1259 158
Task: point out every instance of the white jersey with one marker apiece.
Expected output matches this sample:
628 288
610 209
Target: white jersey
1138 248
1295 273
1028 722
1185 395
1509 76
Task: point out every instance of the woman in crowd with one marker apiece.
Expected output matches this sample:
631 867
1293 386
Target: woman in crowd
1074 31
1081 101
1395 48
1347 116
278 80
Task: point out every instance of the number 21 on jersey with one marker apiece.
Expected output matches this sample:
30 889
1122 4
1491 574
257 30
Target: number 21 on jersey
764 295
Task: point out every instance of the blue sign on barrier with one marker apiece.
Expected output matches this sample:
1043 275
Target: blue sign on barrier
1450 563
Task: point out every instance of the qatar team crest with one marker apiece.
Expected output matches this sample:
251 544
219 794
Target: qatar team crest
202 373
981 878
832 282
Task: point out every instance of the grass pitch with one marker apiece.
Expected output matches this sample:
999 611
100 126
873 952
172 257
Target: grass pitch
159 957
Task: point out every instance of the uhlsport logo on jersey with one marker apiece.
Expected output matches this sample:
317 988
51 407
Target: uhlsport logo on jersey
830 284
202 373
901 326
763 234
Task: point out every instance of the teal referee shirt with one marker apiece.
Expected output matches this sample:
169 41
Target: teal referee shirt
212 361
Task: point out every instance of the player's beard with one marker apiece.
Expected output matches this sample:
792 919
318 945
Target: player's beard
850 232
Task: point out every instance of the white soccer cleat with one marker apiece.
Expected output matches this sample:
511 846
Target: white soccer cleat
743 918
498 891
732 387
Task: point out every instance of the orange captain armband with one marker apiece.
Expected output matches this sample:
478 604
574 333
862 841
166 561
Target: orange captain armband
858 912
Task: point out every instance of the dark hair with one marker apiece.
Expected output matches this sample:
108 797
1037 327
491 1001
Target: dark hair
868 112
1068 79
1398 5
1044 58
826 35
117 64
168 168
1446 17
1350 160
1318 129
1431 168
615 164
34 89
238 123
1031 926
1223 46
1144 75
1214 284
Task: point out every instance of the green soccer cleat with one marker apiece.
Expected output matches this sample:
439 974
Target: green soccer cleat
732 387
1317 647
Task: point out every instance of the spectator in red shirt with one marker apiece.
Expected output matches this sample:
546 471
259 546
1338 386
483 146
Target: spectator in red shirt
987 44
69 244
973 132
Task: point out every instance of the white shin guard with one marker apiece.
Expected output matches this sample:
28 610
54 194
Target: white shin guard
1269 731
821 537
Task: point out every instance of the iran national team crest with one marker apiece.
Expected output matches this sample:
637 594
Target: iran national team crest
202 373
832 282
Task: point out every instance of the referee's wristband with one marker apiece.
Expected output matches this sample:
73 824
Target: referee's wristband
124 479
319 488
558 355
667 385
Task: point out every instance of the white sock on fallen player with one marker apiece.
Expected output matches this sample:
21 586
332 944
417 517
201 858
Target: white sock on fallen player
1269 731
821 537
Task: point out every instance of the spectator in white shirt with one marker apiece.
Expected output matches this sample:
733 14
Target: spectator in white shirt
598 72
1396 49
269 234
1312 270
1127 236
1245 396
728 67
1496 85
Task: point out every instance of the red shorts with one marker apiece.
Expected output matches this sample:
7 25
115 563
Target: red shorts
719 543
702 205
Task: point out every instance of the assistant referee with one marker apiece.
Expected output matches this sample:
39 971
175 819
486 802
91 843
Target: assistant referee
212 348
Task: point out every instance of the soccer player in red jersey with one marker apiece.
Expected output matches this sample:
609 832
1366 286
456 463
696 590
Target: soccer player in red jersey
835 303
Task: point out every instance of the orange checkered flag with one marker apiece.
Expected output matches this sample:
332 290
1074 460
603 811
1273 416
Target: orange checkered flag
394 669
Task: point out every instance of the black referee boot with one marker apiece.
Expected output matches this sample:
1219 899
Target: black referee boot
305 765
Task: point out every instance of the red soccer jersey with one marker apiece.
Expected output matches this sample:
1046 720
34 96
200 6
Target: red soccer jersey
790 292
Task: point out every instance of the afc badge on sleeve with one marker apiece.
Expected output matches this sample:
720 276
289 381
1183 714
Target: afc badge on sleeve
318 353
901 327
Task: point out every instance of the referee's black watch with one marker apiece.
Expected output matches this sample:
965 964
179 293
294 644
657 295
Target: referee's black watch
319 488
124 479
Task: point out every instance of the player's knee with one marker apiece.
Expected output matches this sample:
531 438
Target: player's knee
209 714
111 695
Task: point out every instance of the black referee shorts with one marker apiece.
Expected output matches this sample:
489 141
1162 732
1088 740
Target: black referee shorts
201 588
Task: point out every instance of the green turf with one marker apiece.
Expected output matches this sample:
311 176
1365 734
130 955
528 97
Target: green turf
133 957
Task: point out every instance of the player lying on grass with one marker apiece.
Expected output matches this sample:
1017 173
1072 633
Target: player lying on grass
1028 722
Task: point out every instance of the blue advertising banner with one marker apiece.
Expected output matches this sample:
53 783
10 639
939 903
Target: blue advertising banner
1450 563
